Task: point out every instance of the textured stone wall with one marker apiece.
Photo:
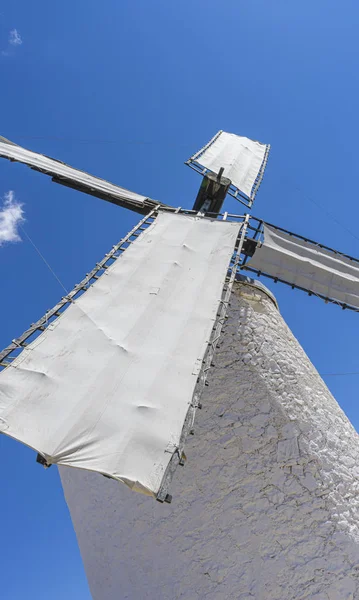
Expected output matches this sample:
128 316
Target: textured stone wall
267 505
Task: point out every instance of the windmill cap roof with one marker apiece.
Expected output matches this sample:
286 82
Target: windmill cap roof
258 285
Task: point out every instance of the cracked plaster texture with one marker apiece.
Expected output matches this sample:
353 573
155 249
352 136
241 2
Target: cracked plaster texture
267 504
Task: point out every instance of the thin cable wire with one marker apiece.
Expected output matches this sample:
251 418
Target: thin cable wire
44 259
94 141
338 374
326 211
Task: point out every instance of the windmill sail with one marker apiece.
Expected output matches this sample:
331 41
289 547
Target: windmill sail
79 180
307 265
242 159
108 385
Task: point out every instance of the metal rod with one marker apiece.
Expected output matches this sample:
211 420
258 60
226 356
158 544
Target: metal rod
260 175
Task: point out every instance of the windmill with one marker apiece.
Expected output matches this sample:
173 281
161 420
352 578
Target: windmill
154 306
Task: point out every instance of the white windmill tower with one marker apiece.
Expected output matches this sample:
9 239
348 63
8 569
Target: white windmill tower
109 382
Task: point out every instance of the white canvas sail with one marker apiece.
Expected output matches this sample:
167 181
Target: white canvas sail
107 386
307 265
243 160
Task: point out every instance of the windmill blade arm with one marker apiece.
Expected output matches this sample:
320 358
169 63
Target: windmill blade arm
243 162
88 408
307 265
143 209
74 178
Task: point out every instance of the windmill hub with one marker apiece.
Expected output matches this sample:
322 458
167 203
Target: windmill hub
212 193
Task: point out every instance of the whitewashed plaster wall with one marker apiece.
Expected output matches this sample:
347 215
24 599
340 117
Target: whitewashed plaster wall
267 505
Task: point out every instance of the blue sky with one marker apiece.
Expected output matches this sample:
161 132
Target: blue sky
127 91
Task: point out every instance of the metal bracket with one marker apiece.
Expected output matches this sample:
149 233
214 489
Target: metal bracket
42 461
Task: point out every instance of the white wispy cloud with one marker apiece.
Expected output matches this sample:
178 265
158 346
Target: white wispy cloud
11 216
15 38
